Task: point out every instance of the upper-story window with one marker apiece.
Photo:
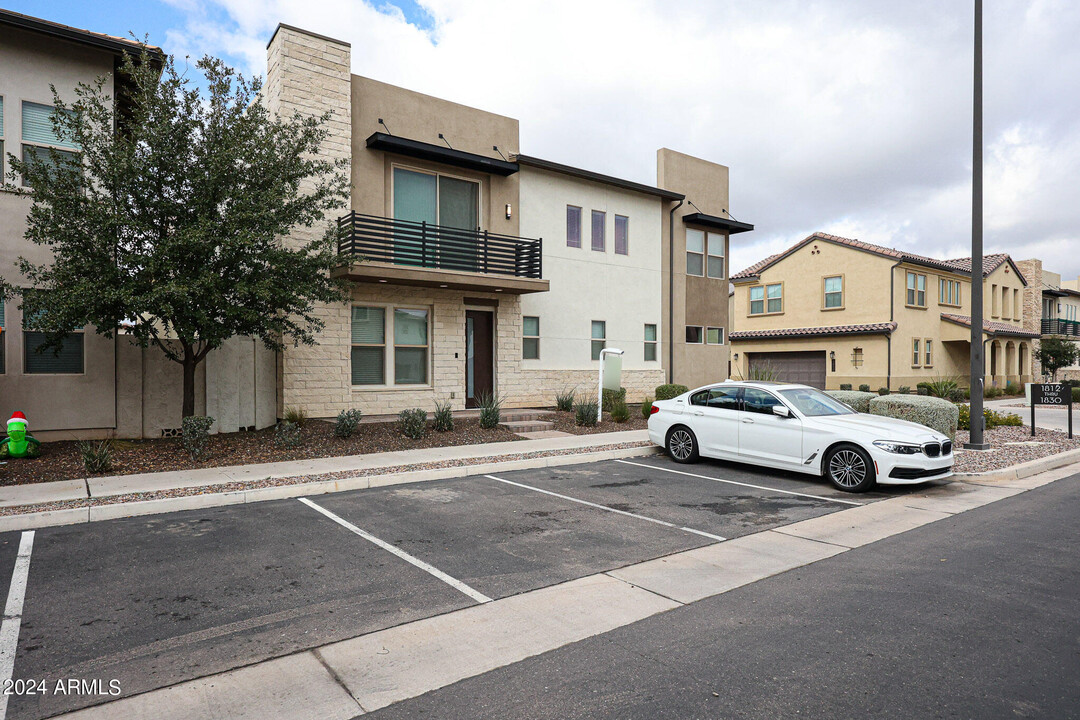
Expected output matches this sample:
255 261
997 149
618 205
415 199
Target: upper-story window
622 235
436 199
715 266
834 292
573 226
704 253
695 252
916 289
767 299
949 292
39 137
599 226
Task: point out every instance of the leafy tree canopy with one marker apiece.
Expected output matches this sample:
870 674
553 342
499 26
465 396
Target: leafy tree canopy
1055 353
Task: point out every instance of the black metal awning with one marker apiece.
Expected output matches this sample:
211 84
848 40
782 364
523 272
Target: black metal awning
440 154
717 223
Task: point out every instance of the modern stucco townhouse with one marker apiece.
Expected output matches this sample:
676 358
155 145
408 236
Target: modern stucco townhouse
1052 309
94 387
478 269
830 310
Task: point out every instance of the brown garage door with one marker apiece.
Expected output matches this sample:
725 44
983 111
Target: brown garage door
806 368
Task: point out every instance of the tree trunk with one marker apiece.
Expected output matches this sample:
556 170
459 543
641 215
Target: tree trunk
190 363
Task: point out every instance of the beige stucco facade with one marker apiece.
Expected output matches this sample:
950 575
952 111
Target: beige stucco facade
1052 309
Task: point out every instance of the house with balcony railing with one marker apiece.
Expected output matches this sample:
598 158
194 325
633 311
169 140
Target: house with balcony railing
1054 305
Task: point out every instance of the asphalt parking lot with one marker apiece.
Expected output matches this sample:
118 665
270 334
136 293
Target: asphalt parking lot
157 600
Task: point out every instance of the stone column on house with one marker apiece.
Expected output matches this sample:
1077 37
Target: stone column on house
1033 272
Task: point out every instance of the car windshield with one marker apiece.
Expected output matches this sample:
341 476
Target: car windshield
814 403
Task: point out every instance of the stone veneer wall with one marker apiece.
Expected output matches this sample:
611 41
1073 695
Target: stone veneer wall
311 75
538 387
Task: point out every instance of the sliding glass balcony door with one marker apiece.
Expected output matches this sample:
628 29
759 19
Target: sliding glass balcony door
450 204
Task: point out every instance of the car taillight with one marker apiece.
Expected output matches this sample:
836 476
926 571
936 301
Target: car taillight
653 410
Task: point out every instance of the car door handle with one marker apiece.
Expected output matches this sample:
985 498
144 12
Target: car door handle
699 413
748 420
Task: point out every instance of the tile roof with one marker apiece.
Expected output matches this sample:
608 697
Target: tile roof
869 329
73 33
990 327
959 265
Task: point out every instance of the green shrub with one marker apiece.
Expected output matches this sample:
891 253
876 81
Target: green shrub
347 422
413 423
957 395
619 412
564 400
845 386
195 434
490 410
585 413
646 407
936 413
613 397
966 393
287 434
941 387
670 390
991 419
904 390
857 399
1014 388
1076 394
925 392
992 392
883 391
296 416
923 384
444 416
96 455
864 388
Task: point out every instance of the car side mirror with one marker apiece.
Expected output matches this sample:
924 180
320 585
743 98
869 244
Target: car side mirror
781 410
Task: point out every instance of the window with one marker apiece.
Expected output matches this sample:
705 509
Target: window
573 226
834 292
915 358
714 336
622 235
3 335
928 352
599 220
599 338
39 136
757 300
68 360
530 338
434 199
410 346
695 252
916 289
724 398
949 292
1006 305
759 401
650 343
694 334
368 345
715 267
857 357
775 297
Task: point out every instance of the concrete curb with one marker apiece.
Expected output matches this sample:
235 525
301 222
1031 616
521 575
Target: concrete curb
112 511
1023 470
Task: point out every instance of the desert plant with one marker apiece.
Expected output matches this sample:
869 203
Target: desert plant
564 400
646 407
936 413
619 412
864 388
858 400
195 434
413 423
297 416
96 455
490 410
287 434
845 386
669 390
444 416
346 423
613 397
883 391
941 387
1013 388
585 413
904 390
763 373
991 418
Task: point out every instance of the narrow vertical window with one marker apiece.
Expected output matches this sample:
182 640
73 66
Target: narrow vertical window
410 346
834 292
715 261
915 358
994 301
650 342
368 345
530 338
573 226
622 232
695 252
599 338
916 289
928 351
599 222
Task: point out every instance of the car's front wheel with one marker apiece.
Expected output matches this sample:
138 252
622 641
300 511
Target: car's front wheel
682 445
850 468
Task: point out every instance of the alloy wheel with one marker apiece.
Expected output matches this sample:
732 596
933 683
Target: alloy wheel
847 468
681 445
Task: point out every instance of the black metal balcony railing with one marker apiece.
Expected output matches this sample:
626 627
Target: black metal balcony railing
380 239
1055 326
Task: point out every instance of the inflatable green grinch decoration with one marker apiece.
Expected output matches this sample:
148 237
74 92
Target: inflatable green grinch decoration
18 444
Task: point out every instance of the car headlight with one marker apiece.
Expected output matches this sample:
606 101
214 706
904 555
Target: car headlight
899 448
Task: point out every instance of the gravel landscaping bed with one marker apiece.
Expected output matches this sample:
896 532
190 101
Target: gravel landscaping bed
1011 446
564 422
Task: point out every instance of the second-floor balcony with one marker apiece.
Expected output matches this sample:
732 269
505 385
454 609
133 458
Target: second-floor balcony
380 249
1056 326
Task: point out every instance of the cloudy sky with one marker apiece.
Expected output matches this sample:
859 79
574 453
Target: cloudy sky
847 116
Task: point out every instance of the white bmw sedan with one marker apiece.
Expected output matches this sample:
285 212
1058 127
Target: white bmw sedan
795 427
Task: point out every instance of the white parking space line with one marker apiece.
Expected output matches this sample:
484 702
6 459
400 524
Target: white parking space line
430 569
9 629
736 482
610 509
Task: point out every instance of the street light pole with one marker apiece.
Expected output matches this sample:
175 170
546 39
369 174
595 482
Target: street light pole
978 364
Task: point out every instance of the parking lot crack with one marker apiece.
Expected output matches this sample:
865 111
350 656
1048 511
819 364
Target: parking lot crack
337 678
653 592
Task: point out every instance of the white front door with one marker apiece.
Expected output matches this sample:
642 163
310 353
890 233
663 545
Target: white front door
765 437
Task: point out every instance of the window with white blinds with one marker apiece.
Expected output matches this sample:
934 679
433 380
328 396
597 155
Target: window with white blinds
368 345
37 126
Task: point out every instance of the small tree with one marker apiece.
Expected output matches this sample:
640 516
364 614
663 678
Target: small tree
1055 353
168 218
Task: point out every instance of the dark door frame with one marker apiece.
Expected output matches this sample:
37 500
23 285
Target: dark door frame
483 355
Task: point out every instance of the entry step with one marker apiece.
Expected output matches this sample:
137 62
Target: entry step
509 416
527 426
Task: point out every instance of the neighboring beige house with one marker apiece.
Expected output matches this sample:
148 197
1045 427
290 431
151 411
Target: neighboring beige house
1052 309
479 269
831 310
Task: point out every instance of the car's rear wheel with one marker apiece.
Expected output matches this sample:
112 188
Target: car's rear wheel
682 446
850 468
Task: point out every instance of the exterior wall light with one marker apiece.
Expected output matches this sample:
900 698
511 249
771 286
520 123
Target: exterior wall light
509 211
